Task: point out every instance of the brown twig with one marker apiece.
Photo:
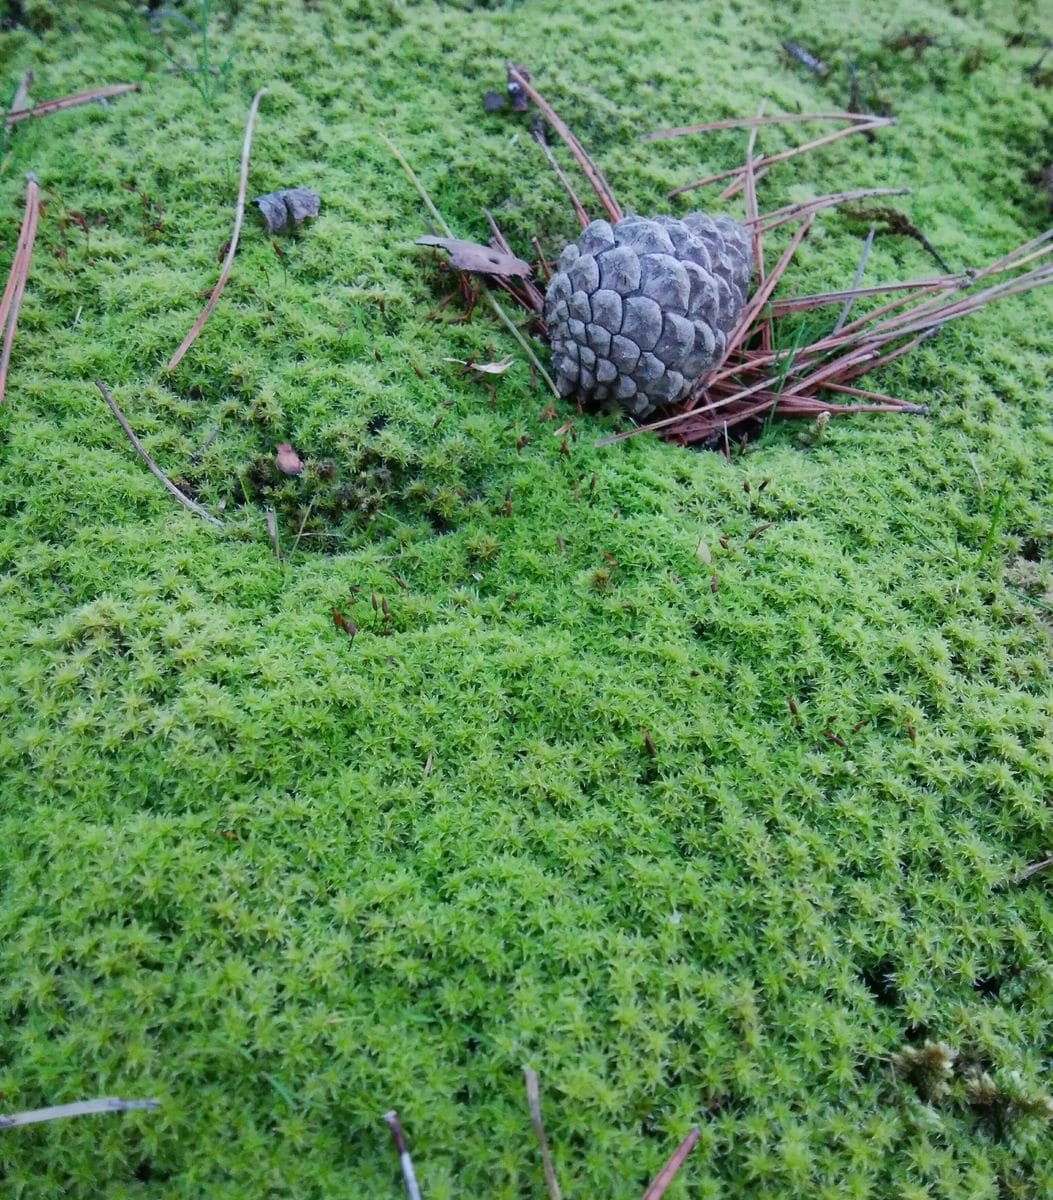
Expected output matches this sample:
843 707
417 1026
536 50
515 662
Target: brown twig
82 1108
592 173
62 102
534 1104
782 156
16 280
239 213
155 470
409 1178
673 1164
751 122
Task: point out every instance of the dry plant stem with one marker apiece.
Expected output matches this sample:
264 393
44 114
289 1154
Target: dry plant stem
155 470
57 105
1033 869
16 280
534 1104
821 299
782 156
794 212
409 1177
83 1108
534 295
228 262
579 211
673 1164
592 173
735 187
20 100
856 278
756 238
440 220
751 122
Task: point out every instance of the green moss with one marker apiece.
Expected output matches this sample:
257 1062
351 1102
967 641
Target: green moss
285 880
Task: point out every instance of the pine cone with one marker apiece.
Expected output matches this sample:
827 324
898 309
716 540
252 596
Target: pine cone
638 310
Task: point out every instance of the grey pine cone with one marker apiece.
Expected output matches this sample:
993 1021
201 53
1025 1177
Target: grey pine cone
638 310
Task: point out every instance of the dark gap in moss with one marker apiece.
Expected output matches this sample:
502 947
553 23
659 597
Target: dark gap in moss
879 978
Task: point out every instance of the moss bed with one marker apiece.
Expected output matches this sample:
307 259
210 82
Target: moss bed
553 809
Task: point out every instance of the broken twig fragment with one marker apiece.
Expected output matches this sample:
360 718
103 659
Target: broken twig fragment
409 1178
228 262
288 205
155 470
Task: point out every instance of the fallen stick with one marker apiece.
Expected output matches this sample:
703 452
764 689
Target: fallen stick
16 280
409 1178
534 1104
155 470
83 1108
673 1164
62 102
228 262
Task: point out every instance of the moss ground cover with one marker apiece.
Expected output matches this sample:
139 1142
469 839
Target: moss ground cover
285 881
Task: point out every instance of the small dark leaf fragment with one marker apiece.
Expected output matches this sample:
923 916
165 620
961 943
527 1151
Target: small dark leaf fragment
289 204
493 101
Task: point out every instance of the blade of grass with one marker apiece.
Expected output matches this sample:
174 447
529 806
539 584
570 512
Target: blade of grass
856 279
82 1108
579 210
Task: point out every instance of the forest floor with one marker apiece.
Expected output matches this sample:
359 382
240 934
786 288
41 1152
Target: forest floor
703 834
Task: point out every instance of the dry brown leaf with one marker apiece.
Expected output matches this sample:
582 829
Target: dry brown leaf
480 260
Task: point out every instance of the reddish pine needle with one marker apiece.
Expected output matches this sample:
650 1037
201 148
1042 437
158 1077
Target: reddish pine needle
16 280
